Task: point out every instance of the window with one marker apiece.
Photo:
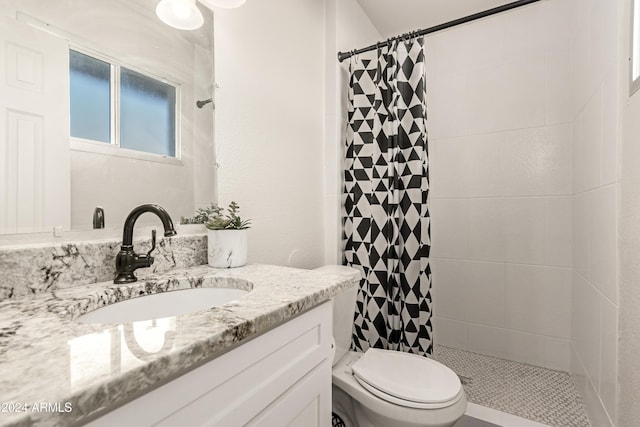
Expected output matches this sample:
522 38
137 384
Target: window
635 47
90 94
117 106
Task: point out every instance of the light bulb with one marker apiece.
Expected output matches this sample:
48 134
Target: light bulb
181 14
180 9
224 4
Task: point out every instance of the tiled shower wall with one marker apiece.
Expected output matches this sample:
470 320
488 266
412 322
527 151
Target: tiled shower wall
594 296
501 115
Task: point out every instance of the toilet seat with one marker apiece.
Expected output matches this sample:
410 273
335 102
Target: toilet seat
407 379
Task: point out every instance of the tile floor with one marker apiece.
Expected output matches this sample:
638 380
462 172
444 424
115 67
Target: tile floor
513 394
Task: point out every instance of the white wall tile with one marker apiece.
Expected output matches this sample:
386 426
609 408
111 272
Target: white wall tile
581 223
447 106
559 106
433 166
609 158
595 152
468 46
525 348
603 240
449 232
470 166
449 281
557 354
505 95
587 146
450 333
522 28
486 229
537 161
578 373
609 357
488 340
581 71
524 230
603 33
538 300
464 289
595 411
558 218
484 299
585 326
508 95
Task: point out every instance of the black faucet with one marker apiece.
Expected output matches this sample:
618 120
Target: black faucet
127 261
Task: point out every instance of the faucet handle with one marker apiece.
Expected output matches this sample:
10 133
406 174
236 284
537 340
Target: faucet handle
153 242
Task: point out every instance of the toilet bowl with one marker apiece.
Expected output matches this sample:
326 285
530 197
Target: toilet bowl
384 388
373 407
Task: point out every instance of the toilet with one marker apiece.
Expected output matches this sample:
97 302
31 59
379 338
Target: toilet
384 388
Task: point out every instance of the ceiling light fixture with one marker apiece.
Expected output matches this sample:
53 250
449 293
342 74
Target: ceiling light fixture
222 4
181 14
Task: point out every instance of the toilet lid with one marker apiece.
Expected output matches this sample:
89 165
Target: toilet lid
406 377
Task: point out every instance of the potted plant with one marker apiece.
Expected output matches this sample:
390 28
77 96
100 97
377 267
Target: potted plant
226 234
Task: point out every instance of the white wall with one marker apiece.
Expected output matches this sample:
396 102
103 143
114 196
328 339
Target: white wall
347 28
500 126
130 32
269 125
594 293
629 237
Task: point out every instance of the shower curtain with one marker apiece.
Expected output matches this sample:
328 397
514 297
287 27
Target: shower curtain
386 231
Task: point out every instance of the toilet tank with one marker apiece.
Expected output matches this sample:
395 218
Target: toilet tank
343 308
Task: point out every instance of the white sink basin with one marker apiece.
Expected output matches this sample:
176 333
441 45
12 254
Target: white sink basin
164 304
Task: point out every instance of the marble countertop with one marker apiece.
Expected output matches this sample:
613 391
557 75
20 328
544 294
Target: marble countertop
57 371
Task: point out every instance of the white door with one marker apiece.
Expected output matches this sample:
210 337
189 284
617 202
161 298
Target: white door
34 129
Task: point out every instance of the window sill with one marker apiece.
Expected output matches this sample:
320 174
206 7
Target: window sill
110 150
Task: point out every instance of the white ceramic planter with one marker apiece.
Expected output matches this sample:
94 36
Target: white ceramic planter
227 248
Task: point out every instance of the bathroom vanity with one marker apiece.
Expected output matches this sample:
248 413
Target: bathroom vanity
281 378
263 357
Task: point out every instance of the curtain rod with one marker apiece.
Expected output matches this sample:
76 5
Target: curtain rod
344 55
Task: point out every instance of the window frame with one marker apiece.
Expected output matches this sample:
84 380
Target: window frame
634 55
113 147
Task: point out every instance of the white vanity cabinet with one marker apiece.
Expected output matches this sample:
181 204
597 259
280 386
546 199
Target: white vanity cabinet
280 378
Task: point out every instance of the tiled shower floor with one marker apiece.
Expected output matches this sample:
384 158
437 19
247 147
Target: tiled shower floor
531 392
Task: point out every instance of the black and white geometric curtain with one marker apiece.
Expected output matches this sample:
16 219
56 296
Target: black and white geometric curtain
386 232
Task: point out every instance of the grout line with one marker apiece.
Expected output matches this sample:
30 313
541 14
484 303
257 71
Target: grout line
595 288
535 196
559 267
506 329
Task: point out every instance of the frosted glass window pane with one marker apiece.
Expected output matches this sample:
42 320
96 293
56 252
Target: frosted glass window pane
90 97
147 114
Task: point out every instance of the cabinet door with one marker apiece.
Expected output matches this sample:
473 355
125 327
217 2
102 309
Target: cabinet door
237 387
306 404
